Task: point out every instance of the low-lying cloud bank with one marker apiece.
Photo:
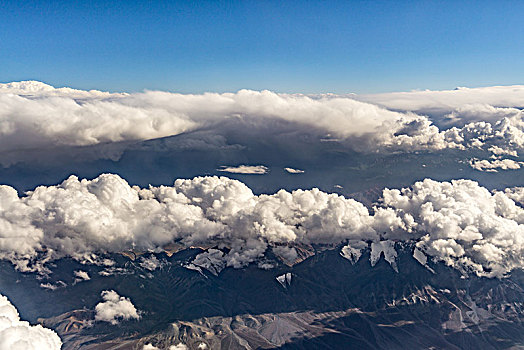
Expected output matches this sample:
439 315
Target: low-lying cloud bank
16 334
34 115
458 222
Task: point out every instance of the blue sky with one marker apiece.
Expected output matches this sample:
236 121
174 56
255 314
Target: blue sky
285 46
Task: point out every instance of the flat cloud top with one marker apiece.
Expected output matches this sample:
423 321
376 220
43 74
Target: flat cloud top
449 100
458 222
34 115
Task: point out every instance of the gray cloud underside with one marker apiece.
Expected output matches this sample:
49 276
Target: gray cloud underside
37 116
460 223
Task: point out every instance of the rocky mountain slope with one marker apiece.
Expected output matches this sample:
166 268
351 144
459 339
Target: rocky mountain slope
327 302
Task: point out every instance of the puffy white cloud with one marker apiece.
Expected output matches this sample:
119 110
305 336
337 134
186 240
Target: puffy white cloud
506 136
245 169
20 335
80 217
493 165
489 117
516 193
44 121
460 223
115 308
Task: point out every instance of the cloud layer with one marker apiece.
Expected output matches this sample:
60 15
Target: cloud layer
460 223
37 115
20 335
487 103
34 115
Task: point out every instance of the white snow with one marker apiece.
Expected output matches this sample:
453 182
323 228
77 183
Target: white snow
285 279
384 247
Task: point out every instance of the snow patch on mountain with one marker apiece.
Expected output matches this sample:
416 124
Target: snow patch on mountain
285 279
385 248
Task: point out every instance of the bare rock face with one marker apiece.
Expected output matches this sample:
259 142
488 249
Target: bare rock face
375 301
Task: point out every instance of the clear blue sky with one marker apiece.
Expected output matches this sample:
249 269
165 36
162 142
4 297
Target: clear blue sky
287 46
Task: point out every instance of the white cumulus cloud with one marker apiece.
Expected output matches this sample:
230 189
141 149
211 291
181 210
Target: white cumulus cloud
459 222
494 165
462 224
20 335
115 308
